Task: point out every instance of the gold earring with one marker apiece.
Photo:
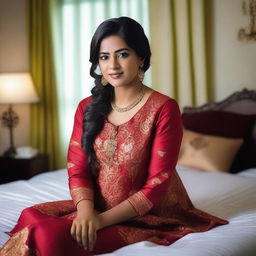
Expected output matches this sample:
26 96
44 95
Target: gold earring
104 82
141 74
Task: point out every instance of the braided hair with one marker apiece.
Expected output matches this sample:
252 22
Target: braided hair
100 106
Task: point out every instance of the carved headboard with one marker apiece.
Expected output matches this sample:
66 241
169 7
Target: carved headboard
242 103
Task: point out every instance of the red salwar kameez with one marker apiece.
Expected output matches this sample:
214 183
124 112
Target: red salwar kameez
137 163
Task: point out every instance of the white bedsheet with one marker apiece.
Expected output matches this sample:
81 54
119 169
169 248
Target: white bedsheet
232 197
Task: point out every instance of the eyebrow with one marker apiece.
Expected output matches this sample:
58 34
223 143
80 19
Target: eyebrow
120 50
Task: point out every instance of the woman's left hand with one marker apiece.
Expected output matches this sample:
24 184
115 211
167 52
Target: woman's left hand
85 226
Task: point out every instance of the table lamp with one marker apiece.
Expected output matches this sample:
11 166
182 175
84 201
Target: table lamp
15 88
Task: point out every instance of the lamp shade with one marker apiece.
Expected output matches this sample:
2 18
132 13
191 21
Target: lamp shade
17 88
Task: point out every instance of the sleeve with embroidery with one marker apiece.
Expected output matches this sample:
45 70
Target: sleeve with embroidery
163 160
80 179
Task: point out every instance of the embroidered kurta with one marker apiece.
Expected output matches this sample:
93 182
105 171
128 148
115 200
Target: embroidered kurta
137 162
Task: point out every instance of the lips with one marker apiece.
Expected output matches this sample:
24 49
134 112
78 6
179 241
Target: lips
116 75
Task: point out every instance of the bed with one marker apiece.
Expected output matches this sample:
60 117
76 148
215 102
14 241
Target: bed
229 192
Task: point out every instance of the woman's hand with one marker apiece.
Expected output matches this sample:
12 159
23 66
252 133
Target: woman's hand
85 226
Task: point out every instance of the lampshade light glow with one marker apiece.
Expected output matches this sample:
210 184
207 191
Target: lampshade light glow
17 88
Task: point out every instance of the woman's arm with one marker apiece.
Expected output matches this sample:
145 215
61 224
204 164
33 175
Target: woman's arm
163 159
119 213
85 225
80 178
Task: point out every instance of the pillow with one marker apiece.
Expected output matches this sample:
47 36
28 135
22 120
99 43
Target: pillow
208 153
227 124
219 123
245 157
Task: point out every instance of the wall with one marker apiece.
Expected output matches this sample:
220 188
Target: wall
14 58
234 61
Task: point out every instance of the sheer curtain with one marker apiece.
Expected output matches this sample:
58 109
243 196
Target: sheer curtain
180 59
74 24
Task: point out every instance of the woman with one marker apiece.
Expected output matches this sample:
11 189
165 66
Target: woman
121 162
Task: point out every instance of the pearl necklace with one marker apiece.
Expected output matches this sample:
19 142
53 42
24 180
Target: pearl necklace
132 105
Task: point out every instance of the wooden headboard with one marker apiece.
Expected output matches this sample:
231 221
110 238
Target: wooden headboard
241 102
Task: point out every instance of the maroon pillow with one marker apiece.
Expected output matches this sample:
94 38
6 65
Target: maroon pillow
227 124
245 157
219 123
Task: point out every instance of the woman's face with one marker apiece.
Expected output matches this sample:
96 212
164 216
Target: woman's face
119 63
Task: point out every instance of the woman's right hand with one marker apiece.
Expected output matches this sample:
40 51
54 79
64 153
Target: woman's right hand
85 226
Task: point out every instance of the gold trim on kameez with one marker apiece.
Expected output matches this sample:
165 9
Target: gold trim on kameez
56 209
70 165
74 143
161 153
81 193
160 178
140 203
16 245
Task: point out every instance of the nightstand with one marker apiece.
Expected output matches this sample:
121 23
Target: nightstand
20 168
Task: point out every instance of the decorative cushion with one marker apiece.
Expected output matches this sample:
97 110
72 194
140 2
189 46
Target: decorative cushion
208 153
230 125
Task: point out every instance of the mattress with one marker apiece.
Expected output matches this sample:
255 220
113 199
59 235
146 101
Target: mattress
228 196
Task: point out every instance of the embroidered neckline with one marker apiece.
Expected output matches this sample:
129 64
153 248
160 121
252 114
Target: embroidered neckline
143 106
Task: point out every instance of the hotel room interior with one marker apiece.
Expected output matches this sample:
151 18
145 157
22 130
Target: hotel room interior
203 55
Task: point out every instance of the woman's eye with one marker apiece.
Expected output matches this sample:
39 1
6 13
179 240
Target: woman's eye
103 57
123 55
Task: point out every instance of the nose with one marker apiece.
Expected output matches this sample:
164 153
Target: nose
114 64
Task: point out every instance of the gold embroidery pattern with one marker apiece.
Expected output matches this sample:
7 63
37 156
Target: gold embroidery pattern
175 199
109 147
147 228
106 145
70 165
198 143
165 174
155 181
58 208
145 125
161 153
122 152
140 203
161 177
81 193
112 190
16 244
133 235
74 143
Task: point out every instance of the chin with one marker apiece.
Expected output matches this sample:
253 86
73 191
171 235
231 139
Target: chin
117 84
122 84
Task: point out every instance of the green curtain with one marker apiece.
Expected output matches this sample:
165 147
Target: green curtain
180 60
44 115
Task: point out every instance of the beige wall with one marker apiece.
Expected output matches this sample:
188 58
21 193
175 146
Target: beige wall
233 61
14 58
